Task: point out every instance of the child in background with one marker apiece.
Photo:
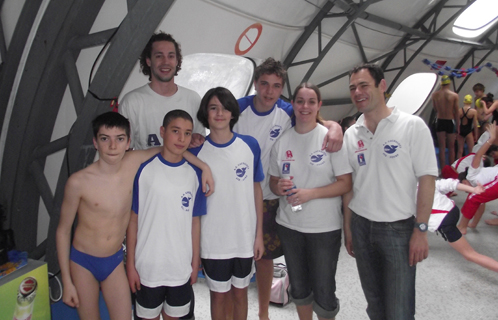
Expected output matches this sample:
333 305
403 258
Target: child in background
476 174
444 217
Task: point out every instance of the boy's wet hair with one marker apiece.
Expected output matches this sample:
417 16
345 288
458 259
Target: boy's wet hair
147 51
227 100
488 98
463 175
492 148
270 66
478 86
175 114
110 120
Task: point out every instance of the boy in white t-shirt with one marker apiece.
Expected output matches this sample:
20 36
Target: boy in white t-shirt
231 231
164 230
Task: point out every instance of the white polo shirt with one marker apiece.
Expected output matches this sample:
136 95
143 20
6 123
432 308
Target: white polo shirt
386 165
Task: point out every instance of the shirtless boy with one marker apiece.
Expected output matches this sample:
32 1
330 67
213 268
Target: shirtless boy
445 103
101 194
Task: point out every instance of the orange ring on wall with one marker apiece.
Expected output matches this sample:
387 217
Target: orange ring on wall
244 35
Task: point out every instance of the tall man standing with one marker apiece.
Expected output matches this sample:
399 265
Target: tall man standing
146 106
384 223
445 102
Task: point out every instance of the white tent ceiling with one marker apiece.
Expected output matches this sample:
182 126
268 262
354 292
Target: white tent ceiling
47 57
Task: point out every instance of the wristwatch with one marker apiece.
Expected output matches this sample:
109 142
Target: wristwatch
422 226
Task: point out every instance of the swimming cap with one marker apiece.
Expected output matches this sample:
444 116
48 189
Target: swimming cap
445 80
467 99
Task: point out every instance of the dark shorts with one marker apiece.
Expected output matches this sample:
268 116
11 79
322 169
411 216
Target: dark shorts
175 301
448 227
273 247
222 274
445 125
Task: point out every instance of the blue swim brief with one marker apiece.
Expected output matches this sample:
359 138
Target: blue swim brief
101 268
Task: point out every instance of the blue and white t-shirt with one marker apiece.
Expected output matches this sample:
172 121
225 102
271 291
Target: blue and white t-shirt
229 229
166 196
266 128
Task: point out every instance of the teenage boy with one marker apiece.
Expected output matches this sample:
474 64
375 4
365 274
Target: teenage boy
146 106
445 102
101 195
231 231
164 230
266 117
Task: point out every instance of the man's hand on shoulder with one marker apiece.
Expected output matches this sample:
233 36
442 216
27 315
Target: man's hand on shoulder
333 140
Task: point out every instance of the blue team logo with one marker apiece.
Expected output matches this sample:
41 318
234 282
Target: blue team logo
275 131
286 168
391 149
241 171
361 159
186 199
317 158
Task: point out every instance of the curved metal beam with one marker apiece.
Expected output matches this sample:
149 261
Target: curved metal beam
426 42
14 53
36 106
337 36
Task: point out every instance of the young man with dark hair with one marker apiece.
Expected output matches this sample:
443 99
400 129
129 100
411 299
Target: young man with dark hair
384 224
146 106
265 117
164 230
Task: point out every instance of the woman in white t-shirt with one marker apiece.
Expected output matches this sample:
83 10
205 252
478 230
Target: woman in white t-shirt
310 183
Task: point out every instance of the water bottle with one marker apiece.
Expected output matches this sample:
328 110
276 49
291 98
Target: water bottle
294 208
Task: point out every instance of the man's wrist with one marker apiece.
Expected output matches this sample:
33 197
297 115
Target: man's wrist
421 226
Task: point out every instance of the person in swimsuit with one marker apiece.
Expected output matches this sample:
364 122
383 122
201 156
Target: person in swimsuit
445 102
490 106
482 117
101 194
468 123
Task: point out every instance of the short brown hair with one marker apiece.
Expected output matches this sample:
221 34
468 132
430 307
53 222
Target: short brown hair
270 66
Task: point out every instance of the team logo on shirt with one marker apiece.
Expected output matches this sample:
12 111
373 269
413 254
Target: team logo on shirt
361 159
288 154
286 168
361 146
186 197
391 148
317 158
241 171
275 132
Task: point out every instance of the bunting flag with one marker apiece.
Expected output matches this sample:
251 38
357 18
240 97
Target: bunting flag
456 73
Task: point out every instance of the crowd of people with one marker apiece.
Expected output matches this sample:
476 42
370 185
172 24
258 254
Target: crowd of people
271 178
